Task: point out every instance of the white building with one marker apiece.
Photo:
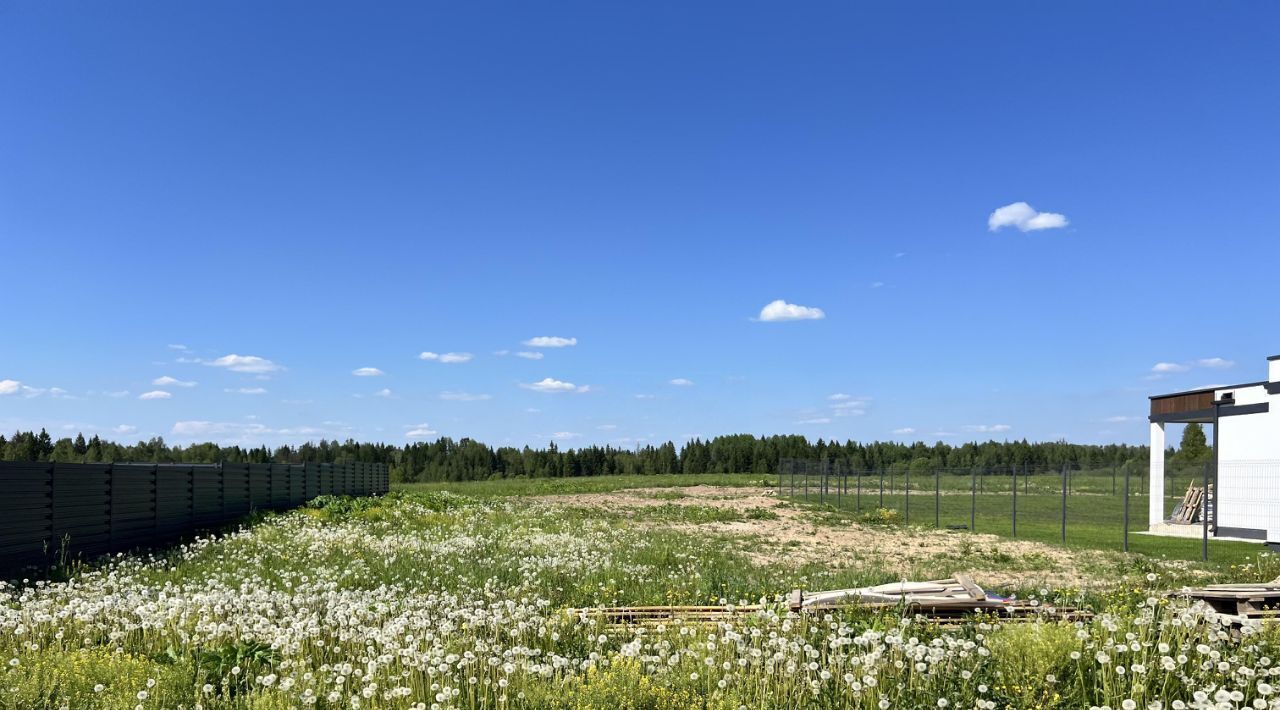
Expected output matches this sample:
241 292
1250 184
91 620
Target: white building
1246 434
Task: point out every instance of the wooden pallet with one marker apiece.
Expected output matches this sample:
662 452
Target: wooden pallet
1192 506
946 601
1247 601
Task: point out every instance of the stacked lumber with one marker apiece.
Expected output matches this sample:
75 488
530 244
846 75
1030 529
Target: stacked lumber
943 600
1192 506
1259 601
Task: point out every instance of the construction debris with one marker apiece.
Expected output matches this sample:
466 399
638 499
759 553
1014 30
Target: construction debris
1192 506
944 600
1240 602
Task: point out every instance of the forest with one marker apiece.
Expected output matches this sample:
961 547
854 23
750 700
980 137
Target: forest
466 459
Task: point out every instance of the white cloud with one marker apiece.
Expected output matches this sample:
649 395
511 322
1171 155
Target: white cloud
1215 363
501 353
645 396
1165 368
839 397
548 384
533 410
246 390
385 393
167 381
550 341
447 358
124 429
681 382
780 310
877 284
1120 418
117 395
562 435
904 431
155 394
943 434
607 427
530 355
177 346
367 372
245 363
988 428
10 386
419 431
1024 218
815 420
849 406
463 397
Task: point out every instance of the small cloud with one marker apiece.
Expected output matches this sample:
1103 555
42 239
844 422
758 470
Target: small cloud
899 255
167 381
447 358
384 393
246 390
877 284
645 396
681 382
550 341
780 310
607 427
904 431
548 384
244 363
988 428
155 394
124 428
1024 218
1166 368
815 420
839 397
1119 419
463 397
367 372
850 406
419 431
530 355
10 387
1215 363
177 346
533 410
563 435
120 394
501 353
943 434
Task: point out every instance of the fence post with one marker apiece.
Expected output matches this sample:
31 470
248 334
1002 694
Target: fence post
1113 479
937 498
906 487
882 488
859 484
1064 504
1126 507
973 499
806 481
792 469
1015 500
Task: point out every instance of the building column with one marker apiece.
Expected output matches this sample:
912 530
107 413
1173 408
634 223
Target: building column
1155 500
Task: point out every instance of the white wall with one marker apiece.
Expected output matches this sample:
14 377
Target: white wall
1249 465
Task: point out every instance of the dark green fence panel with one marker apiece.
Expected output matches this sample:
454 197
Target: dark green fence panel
260 486
63 512
174 511
81 524
133 505
235 490
27 511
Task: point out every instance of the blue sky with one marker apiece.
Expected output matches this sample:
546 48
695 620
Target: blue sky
327 187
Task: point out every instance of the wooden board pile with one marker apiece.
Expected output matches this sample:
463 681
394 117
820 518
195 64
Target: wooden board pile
943 600
1192 506
1259 601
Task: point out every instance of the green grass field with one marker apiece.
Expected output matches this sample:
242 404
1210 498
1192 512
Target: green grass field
1095 516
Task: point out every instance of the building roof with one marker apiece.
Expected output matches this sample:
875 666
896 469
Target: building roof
1211 389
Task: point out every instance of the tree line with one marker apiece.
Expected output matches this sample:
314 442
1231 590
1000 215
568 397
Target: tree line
466 459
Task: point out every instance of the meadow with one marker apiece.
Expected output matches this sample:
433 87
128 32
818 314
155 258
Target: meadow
463 596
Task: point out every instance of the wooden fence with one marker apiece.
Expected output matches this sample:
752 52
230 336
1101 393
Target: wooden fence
55 512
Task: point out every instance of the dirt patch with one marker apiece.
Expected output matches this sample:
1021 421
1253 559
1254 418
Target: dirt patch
796 535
